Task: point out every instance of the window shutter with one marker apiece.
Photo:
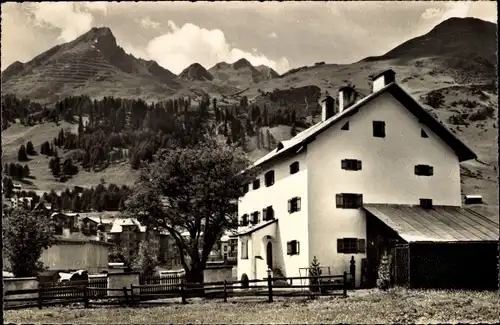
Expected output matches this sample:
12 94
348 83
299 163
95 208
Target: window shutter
289 248
431 170
297 247
361 246
344 164
289 206
359 200
358 163
264 214
298 204
338 199
340 245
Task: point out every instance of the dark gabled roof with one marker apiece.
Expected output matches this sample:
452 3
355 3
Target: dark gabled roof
439 224
462 151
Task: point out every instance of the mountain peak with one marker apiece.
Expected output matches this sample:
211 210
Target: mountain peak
242 63
196 72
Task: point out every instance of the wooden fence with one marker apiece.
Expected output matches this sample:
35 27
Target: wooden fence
160 283
335 285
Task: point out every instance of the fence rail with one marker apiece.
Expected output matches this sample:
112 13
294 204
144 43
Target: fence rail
174 286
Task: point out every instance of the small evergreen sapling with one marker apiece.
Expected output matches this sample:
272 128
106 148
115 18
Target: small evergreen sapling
314 271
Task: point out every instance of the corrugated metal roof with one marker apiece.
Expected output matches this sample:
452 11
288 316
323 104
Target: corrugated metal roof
441 223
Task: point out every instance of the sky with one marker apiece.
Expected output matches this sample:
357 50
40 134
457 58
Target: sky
282 35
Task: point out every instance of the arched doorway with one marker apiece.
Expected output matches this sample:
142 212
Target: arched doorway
269 255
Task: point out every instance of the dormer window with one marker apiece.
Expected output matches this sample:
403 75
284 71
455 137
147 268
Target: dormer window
423 134
269 178
256 184
379 129
294 167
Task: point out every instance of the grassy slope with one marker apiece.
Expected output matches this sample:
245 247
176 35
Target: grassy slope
362 307
17 134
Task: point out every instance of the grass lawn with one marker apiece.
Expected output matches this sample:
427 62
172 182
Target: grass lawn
363 306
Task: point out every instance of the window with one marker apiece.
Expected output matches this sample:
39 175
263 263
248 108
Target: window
244 249
423 134
294 205
426 203
379 129
244 220
294 167
256 184
245 188
269 178
351 164
255 217
424 170
268 213
349 201
351 246
292 247
345 127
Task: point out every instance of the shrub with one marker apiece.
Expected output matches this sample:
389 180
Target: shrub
434 99
384 272
245 282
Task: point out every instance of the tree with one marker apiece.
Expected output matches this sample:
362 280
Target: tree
26 171
146 261
21 154
7 186
25 236
30 150
193 190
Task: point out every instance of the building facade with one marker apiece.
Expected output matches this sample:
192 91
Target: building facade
380 149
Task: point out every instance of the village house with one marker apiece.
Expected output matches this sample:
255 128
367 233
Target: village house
377 174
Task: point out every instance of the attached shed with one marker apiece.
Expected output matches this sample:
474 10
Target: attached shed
436 247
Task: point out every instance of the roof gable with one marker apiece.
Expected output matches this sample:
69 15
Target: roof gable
303 138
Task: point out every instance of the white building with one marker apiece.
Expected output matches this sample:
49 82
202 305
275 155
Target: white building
309 199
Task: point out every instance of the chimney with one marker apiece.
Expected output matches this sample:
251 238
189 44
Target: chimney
327 108
347 97
382 79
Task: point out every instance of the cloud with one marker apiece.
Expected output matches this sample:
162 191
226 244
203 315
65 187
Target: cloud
430 13
149 23
273 35
453 9
72 19
182 46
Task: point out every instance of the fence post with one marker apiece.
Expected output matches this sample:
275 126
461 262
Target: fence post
85 296
225 290
132 295
270 287
345 284
183 293
40 298
352 270
126 295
